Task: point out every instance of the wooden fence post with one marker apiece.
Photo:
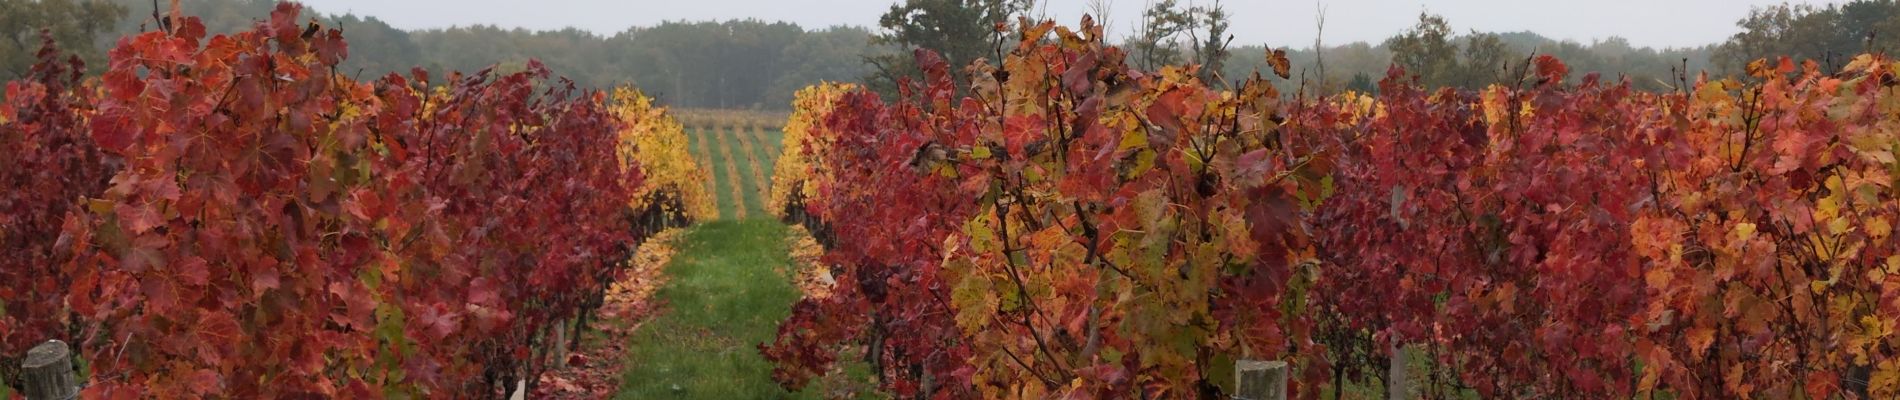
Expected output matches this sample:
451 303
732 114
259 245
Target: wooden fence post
560 345
47 372
1260 380
1397 385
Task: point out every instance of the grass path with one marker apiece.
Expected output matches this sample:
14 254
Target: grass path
733 179
748 146
770 145
727 291
753 200
701 147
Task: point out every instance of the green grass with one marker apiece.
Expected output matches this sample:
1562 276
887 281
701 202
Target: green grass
769 152
705 141
749 195
726 295
703 152
1418 370
722 186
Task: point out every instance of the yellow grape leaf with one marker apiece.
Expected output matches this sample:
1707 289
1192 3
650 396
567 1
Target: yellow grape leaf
1713 93
974 302
1744 231
1836 194
1143 162
1861 62
1875 327
99 206
1838 226
1492 101
1009 300
1878 275
1822 249
1833 276
1879 228
1759 67
1885 382
1132 138
982 235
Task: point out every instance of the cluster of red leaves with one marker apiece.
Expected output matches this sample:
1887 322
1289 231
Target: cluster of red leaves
47 162
500 207
1076 227
1734 240
1501 237
251 224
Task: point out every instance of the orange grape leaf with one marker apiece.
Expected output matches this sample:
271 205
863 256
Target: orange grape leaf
1280 65
1758 67
1821 384
1699 337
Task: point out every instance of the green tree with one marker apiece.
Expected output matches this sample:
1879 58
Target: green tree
1154 42
1831 34
74 24
1426 49
1430 52
1212 52
1362 83
1485 56
962 31
376 48
818 55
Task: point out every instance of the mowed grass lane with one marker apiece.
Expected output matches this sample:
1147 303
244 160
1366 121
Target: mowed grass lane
716 164
744 164
728 289
768 143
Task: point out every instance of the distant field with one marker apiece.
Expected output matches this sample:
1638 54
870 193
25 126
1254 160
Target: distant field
741 164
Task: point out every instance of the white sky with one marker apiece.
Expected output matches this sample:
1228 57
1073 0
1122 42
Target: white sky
1659 23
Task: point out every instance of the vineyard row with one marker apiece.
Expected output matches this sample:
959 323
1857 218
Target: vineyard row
1060 224
229 216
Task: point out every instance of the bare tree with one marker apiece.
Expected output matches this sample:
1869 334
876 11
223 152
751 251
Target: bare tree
1319 48
1101 9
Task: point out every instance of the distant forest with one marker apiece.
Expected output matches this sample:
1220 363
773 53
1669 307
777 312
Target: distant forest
751 64
742 64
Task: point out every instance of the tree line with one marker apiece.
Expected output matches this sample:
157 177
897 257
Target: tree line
753 64
743 64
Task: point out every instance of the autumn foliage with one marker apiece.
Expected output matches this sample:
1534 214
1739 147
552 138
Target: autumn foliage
48 163
675 192
1075 227
230 216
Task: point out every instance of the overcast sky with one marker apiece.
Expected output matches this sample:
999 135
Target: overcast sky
1659 23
